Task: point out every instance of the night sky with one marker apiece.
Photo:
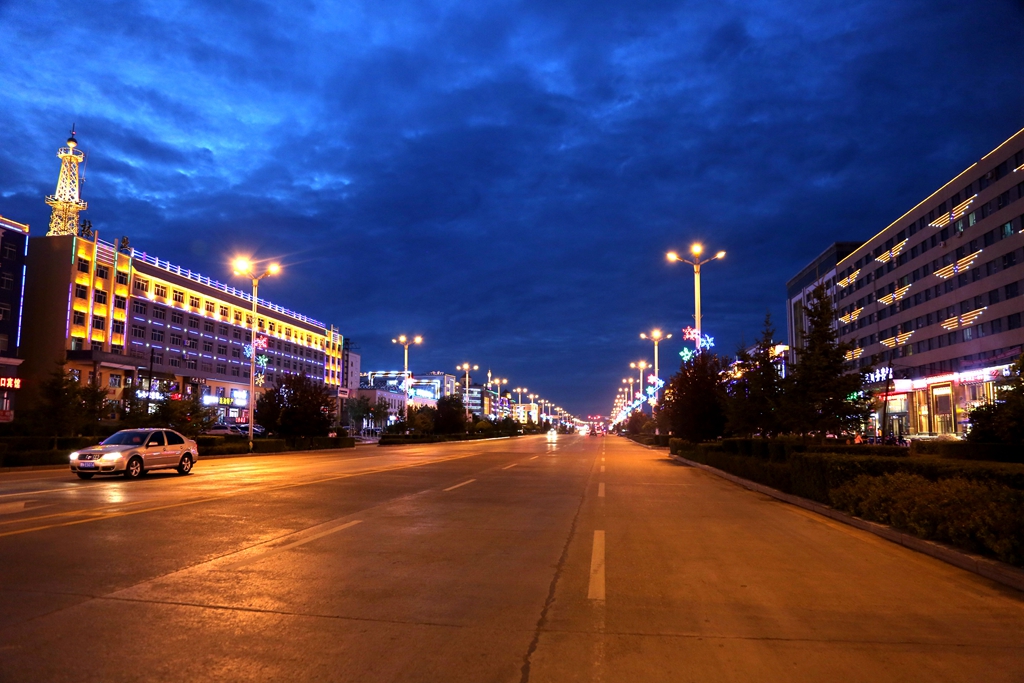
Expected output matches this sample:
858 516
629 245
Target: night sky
505 178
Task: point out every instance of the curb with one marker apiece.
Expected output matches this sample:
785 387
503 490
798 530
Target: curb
994 570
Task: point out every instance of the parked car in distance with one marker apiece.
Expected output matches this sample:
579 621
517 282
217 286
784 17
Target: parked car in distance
133 452
225 430
257 430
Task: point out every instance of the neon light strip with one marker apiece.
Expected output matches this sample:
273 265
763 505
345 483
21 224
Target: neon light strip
954 268
964 320
1019 168
854 354
887 256
851 316
954 213
898 340
847 281
895 296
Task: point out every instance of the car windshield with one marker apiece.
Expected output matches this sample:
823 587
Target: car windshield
126 438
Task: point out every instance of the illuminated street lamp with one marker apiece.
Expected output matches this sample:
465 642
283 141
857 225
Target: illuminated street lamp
246 268
640 366
696 250
656 337
406 342
519 391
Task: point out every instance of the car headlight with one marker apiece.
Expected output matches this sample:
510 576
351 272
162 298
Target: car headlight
74 456
112 456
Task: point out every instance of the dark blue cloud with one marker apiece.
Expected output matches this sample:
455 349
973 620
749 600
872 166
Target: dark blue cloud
505 178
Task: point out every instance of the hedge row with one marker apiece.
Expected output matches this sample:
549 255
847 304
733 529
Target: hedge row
877 488
11 444
962 450
661 440
780 449
405 439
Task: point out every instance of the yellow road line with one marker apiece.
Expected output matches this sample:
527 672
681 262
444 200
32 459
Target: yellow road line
235 494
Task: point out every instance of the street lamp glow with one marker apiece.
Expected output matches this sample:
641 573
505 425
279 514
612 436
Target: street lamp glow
672 256
720 254
241 265
696 249
274 268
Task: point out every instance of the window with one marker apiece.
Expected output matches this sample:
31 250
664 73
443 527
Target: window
138 331
121 278
117 327
1011 290
208 326
139 307
6 281
223 331
1009 259
190 363
120 302
160 290
99 322
238 316
271 326
222 349
141 285
78 318
1006 230
179 296
159 313
114 380
191 343
10 251
236 371
208 346
193 301
81 292
193 323
102 272
83 265
236 333
210 308
177 317
236 352
222 369
100 297
174 362
176 339
224 311
156 335
1013 321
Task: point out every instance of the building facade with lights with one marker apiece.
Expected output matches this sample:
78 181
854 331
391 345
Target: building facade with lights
933 302
13 255
132 322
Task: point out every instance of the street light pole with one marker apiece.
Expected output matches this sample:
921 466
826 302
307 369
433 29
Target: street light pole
243 266
656 337
696 250
405 341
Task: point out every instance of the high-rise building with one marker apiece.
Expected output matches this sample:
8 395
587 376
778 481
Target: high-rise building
129 321
933 301
13 253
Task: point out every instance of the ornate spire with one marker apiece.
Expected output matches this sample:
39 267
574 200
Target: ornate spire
66 201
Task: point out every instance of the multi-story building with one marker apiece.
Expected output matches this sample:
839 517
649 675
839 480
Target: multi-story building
932 302
13 254
820 271
393 396
129 321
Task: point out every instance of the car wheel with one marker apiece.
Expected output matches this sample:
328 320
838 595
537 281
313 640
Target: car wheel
85 475
185 466
133 470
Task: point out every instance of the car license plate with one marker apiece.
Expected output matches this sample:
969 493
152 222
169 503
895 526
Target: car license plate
86 465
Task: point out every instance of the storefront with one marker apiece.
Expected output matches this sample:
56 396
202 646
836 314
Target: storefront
232 405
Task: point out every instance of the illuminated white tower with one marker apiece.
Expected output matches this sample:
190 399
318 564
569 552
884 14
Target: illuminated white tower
66 201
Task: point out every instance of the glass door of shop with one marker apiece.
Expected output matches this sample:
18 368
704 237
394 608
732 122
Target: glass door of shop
943 418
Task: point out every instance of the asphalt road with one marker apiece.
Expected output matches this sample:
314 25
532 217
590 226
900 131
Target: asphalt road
579 559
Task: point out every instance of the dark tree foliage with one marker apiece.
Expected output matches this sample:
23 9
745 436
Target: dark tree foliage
306 407
269 408
636 422
451 415
755 392
822 396
695 399
68 406
187 415
1003 421
380 412
357 409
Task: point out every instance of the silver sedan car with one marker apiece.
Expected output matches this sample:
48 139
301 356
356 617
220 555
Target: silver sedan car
133 452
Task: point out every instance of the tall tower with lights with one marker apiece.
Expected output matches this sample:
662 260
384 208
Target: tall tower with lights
66 201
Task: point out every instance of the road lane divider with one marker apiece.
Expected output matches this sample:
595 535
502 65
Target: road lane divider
534 457
289 546
596 590
452 488
600 490
602 468
508 467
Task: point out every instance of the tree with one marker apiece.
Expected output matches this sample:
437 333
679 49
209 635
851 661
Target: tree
695 398
636 422
755 393
187 415
357 409
421 420
269 408
451 415
60 410
822 396
306 407
380 412
1002 421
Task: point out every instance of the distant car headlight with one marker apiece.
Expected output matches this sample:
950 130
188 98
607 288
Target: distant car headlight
112 456
74 456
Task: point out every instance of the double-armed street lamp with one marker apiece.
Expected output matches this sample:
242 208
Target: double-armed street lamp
640 366
406 342
519 391
244 267
695 250
656 337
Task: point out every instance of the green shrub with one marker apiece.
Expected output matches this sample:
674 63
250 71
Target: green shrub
963 450
978 516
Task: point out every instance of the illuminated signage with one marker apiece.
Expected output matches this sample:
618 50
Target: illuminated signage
10 383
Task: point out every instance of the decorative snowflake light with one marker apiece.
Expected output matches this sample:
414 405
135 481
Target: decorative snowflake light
707 342
259 378
687 354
